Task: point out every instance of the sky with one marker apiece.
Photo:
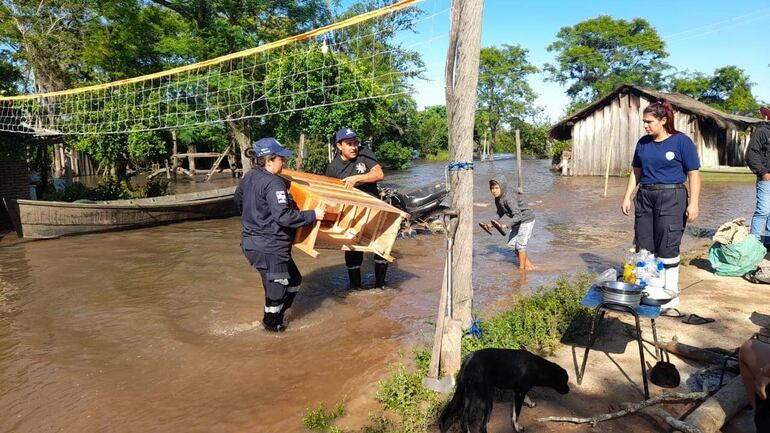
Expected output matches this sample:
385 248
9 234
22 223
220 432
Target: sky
699 35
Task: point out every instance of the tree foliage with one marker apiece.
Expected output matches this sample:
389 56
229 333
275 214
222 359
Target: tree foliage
432 129
503 92
595 56
728 89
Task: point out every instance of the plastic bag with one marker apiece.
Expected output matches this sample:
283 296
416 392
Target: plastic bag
608 275
735 260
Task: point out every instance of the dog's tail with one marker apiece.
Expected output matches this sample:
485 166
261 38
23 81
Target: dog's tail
454 408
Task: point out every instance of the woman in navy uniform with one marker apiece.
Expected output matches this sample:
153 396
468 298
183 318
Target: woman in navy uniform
663 160
358 167
269 217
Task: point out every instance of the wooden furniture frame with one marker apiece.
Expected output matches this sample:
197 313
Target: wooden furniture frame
354 220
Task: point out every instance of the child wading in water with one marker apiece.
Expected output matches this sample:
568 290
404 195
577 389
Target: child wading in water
522 218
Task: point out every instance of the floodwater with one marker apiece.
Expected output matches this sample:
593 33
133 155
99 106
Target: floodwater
156 330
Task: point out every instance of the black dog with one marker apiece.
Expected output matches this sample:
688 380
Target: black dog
489 369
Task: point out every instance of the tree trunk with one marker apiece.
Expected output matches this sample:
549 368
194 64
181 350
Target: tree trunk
462 73
58 167
241 135
301 151
175 159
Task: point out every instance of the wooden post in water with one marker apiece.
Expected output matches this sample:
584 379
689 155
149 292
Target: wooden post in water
174 158
484 147
462 73
192 148
518 162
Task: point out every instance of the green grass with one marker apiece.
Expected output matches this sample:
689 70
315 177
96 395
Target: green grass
536 322
442 155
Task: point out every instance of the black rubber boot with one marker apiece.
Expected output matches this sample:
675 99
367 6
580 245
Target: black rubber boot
288 301
380 270
355 278
273 320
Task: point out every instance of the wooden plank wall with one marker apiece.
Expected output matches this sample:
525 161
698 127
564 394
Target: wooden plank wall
737 142
591 138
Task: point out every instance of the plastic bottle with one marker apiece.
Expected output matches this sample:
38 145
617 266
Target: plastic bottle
658 279
629 273
641 273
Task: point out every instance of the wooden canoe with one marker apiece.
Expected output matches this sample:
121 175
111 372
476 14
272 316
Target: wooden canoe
51 219
354 220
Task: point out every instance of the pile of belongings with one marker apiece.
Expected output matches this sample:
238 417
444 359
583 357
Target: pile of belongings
735 252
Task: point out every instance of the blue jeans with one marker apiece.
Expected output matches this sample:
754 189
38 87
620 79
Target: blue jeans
760 221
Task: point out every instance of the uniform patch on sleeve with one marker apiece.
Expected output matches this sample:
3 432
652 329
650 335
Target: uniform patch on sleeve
281 196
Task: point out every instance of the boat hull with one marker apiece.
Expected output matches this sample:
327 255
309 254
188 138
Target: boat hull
42 220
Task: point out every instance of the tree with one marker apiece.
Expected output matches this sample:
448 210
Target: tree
503 92
694 85
48 38
224 26
728 89
597 55
432 129
10 75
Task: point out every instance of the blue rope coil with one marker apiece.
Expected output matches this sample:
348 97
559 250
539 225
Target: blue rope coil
462 165
456 166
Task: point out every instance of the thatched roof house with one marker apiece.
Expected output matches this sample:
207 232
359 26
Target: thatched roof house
616 119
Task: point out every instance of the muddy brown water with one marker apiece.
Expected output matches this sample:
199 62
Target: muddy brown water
156 330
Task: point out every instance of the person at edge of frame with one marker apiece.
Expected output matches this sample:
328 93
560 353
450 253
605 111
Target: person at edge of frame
269 218
758 160
357 166
663 160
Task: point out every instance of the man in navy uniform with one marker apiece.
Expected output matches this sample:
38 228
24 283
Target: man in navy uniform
357 166
269 218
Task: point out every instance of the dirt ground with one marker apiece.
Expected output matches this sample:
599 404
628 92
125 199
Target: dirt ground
613 373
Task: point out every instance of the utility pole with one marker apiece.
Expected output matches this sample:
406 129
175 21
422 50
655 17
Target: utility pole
462 73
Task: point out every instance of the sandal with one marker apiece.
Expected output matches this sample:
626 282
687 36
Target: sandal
671 312
694 319
485 227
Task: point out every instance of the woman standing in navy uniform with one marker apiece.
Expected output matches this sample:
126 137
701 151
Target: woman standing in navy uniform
269 218
663 160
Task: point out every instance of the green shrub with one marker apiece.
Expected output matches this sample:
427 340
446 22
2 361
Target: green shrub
537 322
402 392
393 156
322 420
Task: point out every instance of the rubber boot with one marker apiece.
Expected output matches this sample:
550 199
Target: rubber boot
672 285
380 270
355 278
273 318
289 299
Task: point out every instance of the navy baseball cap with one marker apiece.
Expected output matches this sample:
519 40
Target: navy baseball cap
270 146
344 134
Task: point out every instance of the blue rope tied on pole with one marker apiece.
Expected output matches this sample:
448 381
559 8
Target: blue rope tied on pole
462 165
456 166
475 329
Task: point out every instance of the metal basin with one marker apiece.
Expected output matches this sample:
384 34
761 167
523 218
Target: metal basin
618 292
